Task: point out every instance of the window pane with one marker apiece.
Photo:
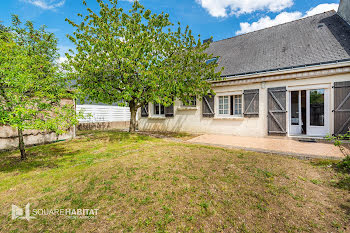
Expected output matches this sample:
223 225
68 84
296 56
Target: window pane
317 107
194 101
295 107
238 104
226 99
156 109
223 105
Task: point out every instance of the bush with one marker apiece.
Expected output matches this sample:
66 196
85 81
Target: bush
343 142
344 165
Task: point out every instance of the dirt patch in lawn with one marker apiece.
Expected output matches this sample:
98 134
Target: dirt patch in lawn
145 184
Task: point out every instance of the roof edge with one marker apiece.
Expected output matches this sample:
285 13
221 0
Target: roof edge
317 66
274 26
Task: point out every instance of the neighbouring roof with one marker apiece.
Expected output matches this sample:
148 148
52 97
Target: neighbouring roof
321 38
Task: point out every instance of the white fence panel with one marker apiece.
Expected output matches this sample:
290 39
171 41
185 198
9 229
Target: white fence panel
101 113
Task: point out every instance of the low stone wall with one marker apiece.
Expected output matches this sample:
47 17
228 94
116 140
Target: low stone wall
104 125
9 137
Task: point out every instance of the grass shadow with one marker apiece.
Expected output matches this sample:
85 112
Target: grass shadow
61 154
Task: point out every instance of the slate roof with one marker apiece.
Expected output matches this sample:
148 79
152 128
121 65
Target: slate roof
321 38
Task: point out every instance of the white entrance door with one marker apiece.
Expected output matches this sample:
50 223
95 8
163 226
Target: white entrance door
309 112
317 112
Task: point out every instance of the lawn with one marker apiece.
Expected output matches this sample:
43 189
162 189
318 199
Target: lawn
140 183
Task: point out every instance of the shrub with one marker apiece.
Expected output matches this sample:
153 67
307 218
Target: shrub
344 165
343 142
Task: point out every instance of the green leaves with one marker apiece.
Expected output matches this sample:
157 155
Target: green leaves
137 57
31 85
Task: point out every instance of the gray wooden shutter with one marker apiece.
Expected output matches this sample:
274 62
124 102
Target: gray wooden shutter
341 107
208 106
144 111
277 114
251 103
169 111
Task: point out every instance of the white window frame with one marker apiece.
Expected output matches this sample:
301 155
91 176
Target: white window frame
233 104
223 104
240 104
154 110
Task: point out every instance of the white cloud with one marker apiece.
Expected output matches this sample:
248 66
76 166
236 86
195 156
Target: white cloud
283 17
46 4
322 8
268 22
222 8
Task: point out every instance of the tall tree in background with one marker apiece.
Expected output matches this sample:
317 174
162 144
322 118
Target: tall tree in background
137 58
31 86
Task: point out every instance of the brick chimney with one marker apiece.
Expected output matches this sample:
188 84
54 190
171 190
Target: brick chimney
344 10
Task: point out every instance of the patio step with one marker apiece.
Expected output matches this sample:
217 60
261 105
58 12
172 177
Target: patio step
307 140
311 139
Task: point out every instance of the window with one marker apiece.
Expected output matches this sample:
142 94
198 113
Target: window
158 109
230 105
223 105
238 105
317 107
192 102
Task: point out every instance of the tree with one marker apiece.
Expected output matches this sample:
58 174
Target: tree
31 86
137 58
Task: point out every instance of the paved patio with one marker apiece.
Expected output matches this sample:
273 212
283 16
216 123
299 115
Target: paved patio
282 146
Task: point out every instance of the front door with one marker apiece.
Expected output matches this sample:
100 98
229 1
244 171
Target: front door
309 112
317 101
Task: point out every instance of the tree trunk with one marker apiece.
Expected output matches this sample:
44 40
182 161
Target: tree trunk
21 144
133 111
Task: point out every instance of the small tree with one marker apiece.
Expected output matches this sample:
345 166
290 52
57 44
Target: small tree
137 58
342 141
31 86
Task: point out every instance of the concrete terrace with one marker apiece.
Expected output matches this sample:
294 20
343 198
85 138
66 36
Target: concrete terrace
282 146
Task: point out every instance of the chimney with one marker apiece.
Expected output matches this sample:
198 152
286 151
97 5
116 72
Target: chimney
344 10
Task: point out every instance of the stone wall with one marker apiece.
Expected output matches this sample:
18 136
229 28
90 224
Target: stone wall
104 125
9 137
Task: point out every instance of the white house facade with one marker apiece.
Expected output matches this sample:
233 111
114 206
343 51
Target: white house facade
292 79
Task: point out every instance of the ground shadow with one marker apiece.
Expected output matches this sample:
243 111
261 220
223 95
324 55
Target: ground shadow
60 154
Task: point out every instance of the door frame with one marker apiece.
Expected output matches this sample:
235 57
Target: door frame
293 128
327 106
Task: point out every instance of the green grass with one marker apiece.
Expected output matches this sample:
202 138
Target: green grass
145 184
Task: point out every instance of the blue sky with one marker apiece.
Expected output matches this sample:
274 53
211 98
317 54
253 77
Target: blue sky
218 18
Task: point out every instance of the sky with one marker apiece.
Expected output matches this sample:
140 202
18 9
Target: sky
219 19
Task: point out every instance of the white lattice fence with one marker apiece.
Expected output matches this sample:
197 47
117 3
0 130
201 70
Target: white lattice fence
100 113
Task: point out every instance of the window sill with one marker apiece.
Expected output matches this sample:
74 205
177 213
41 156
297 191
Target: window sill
228 118
187 108
157 117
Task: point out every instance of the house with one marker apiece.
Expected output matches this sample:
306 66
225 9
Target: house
292 79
